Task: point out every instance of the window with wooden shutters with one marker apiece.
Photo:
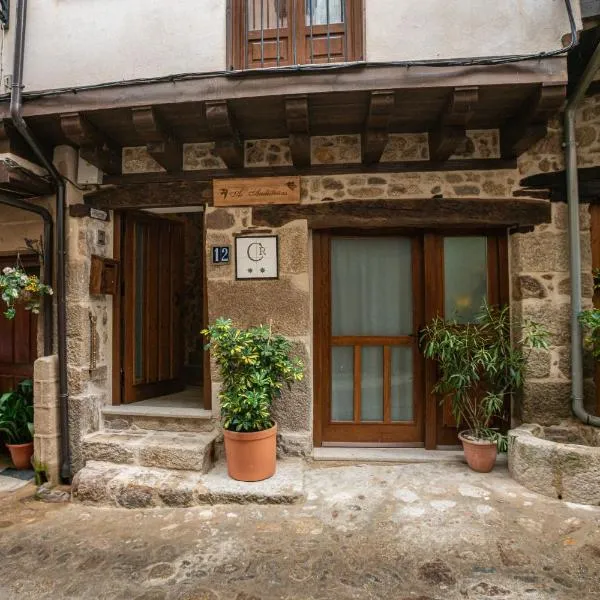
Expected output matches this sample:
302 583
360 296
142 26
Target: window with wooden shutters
273 33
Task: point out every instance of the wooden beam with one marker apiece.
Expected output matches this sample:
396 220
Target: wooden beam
11 141
530 122
228 142
376 133
451 129
93 145
479 164
298 126
413 212
16 180
161 145
151 195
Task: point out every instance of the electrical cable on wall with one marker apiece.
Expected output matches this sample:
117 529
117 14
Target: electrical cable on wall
451 62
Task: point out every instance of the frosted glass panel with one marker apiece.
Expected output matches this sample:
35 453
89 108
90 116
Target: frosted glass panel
324 11
402 384
371 401
465 277
371 286
342 383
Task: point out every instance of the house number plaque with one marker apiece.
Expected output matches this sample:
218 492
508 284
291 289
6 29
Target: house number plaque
257 257
221 255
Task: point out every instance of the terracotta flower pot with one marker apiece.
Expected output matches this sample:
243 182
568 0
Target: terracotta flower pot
480 454
251 456
21 454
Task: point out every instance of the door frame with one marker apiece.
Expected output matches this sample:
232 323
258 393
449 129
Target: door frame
428 280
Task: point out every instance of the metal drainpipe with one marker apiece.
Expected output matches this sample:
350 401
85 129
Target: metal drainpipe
16 105
47 254
574 242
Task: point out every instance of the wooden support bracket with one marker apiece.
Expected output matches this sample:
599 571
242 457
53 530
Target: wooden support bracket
376 133
93 145
447 135
531 121
228 142
161 144
298 126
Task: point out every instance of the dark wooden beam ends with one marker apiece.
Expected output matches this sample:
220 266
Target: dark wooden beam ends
451 129
12 142
531 121
151 195
410 212
298 126
24 183
376 133
161 145
228 142
93 145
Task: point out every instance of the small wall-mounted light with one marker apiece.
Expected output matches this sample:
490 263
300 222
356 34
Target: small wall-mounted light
4 13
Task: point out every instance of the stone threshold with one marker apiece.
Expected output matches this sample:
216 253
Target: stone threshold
131 486
392 455
179 412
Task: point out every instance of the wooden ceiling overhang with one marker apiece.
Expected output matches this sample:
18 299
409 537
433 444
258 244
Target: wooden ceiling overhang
517 99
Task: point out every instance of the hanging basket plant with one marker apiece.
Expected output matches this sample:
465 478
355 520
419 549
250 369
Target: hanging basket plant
19 287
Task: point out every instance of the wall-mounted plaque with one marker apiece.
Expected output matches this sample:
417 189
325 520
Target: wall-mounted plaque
257 257
221 255
256 191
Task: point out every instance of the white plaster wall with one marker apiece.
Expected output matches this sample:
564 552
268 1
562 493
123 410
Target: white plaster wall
82 42
73 43
436 29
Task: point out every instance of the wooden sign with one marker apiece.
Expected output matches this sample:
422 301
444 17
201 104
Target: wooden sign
256 191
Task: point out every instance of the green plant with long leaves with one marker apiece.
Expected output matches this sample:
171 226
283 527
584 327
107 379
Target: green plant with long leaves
16 414
479 364
18 286
589 320
254 364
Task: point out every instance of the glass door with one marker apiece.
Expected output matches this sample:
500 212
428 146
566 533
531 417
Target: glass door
371 358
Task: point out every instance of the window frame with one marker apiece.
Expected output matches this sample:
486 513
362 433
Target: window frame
237 43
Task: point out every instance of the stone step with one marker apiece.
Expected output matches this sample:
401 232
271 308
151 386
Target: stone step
189 451
132 486
157 418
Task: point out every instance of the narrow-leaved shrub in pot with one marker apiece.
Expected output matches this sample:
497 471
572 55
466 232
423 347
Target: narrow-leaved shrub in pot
255 364
479 364
16 423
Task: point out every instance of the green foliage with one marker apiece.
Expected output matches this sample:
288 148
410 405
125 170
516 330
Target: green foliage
479 364
16 414
590 322
254 364
18 286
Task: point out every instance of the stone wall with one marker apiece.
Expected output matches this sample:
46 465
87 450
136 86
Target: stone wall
283 303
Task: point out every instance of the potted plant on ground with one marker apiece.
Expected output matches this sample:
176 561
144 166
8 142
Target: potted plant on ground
17 286
479 364
254 365
16 423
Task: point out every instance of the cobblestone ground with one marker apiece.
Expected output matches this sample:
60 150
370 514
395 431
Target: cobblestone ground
414 532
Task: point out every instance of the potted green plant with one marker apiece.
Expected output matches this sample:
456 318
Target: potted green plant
479 364
590 323
18 286
254 365
16 423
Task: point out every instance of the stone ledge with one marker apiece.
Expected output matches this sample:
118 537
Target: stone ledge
131 486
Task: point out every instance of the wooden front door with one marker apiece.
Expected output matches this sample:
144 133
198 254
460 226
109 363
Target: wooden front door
152 284
18 337
368 312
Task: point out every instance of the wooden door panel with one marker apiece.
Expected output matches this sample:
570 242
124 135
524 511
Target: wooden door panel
152 284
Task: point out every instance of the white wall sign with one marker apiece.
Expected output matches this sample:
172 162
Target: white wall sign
257 257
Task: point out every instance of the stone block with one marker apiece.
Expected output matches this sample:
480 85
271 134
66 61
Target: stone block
283 302
539 252
45 394
47 454
46 420
46 368
529 286
297 443
293 248
219 218
538 364
587 285
545 401
556 317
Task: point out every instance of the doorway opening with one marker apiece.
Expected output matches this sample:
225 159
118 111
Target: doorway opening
161 310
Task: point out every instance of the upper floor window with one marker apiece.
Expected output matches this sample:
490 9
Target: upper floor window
273 33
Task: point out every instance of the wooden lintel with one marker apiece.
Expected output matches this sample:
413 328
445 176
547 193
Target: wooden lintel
530 122
12 142
160 142
151 195
479 164
410 212
450 131
228 142
93 145
22 182
298 126
376 132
